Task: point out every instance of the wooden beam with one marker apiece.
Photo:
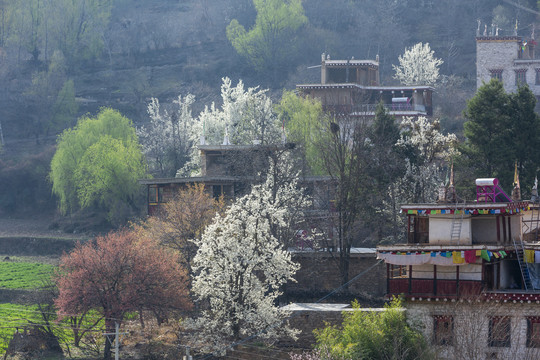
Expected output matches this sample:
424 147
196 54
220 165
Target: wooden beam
435 280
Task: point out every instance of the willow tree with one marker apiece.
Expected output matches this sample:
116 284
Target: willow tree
97 164
272 40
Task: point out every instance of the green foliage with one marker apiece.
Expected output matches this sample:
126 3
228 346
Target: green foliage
75 28
272 40
302 119
23 275
16 316
65 108
373 335
387 163
500 130
97 163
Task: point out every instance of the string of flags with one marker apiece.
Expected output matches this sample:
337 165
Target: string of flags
466 211
446 258
532 256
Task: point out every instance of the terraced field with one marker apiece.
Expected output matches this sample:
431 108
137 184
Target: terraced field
24 275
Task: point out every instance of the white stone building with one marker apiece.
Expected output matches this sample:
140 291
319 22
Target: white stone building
510 59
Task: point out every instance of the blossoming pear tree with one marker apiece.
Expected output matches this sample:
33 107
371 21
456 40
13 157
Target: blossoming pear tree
241 265
418 66
245 116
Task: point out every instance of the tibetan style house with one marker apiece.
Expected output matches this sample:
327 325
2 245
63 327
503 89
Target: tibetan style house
469 273
352 88
229 171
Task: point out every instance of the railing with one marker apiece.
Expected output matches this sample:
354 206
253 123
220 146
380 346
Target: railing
370 108
434 287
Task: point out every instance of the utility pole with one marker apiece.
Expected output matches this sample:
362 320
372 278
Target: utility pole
1 136
116 334
187 356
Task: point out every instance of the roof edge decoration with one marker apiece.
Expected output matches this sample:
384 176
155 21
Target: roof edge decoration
468 209
358 86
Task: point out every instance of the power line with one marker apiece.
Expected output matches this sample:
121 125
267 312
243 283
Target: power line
522 7
52 313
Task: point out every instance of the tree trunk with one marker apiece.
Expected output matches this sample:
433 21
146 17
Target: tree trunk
109 328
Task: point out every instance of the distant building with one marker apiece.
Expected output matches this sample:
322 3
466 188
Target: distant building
230 170
352 87
470 273
511 59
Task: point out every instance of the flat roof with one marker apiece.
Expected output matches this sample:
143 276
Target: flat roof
364 87
242 147
221 178
319 307
482 208
186 180
435 248
371 63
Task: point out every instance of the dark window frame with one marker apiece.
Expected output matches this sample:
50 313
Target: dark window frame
521 77
533 340
496 74
443 330
155 194
500 331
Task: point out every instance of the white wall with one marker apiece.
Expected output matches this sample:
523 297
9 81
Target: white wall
484 230
440 228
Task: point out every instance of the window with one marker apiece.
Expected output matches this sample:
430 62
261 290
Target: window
418 230
537 78
521 76
496 74
533 332
443 330
398 271
155 194
217 191
499 331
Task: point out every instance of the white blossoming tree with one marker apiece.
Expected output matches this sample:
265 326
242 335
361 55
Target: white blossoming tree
426 137
246 116
418 66
166 139
241 265
424 171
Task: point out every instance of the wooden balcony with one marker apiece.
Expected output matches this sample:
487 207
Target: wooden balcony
433 288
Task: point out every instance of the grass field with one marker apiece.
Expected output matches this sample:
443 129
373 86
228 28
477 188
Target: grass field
24 275
12 316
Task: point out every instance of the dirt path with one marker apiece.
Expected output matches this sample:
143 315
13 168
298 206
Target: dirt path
38 227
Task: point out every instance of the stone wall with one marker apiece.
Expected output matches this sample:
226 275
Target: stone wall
319 274
494 53
471 323
306 322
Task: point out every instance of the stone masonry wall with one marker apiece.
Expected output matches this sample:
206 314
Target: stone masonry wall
499 53
496 54
471 327
319 274
308 321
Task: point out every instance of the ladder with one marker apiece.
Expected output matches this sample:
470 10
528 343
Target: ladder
536 222
523 266
457 222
